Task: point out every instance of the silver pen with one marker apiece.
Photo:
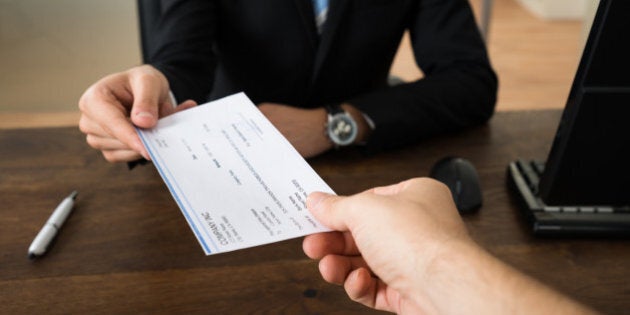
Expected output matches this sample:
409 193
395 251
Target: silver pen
49 231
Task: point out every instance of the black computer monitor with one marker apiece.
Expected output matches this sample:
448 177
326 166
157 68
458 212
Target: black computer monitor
589 162
584 186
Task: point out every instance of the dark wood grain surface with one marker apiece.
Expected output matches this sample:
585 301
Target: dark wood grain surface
128 249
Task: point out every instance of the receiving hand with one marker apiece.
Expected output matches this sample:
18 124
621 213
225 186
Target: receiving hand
113 105
388 238
404 249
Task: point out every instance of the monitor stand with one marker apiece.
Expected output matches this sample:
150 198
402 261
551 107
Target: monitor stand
563 220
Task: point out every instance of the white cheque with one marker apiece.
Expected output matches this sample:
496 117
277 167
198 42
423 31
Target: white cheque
237 180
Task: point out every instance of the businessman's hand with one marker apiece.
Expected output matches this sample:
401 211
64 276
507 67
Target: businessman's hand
112 106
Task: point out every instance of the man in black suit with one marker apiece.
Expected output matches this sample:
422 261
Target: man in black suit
304 79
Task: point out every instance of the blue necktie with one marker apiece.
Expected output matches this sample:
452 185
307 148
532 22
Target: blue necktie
321 11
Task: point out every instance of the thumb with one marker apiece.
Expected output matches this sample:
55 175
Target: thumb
144 112
328 209
146 92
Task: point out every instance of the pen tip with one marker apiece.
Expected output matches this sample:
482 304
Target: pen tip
31 256
74 194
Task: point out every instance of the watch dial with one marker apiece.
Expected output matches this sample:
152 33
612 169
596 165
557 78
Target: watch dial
342 129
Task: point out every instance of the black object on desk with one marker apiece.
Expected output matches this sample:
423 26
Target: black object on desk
584 187
461 178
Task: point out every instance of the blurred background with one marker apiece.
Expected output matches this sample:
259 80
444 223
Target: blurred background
51 51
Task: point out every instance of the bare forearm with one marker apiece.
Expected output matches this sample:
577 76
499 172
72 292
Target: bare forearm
468 280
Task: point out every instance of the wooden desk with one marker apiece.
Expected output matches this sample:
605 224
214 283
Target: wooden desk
128 249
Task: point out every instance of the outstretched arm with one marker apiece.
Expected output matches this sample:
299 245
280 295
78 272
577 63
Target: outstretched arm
404 249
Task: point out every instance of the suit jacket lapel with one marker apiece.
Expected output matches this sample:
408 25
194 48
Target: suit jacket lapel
305 9
336 11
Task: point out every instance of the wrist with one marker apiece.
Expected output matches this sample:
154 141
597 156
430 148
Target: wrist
363 128
323 140
451 269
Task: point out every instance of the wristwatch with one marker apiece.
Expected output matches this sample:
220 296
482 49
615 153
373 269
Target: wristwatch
341 127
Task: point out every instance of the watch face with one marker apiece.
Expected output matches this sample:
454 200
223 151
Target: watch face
342 129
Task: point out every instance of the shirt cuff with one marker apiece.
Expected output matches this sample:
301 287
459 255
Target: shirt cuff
172 98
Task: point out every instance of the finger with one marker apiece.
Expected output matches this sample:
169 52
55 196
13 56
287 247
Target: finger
319 245
120 127
90 127
96 135
184 106
187 104
146 89
105 143
166 108
98 139
117 125
335 268
361 287
327 209
387 190
95 105
316 246
400 187
416 190
116 156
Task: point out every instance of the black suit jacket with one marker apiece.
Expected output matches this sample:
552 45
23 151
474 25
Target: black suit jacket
270 49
